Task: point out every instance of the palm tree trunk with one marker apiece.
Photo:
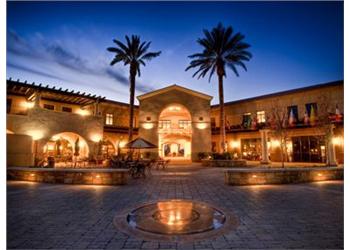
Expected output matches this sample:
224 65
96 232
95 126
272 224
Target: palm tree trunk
132 97
222 115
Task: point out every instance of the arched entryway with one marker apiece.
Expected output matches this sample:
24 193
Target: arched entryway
175 132
66 147
107 149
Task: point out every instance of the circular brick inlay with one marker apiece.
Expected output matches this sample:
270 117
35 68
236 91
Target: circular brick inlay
175 220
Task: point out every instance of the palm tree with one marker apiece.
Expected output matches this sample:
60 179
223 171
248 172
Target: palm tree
221 48
133 53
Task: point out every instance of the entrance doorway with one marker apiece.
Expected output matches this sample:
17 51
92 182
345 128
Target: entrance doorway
175 132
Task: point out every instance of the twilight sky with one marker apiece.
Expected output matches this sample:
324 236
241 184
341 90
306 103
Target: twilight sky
294 44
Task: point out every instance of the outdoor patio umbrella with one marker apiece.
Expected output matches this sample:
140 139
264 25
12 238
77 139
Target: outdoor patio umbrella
140 143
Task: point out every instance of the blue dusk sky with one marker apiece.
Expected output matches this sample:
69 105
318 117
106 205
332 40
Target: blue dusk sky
294 44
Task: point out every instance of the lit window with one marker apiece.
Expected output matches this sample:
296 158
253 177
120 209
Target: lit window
164 124
109 119
260 115
184 124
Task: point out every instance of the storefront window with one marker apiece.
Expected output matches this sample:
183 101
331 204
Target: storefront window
251 149
309 149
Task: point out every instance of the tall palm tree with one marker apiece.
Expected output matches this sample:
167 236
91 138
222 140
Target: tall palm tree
133 53
221 48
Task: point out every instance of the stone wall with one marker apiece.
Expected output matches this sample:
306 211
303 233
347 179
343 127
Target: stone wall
19 150
281 176
70 176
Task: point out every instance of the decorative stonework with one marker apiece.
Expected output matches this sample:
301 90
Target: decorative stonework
70 176
224 221
282 175
224 163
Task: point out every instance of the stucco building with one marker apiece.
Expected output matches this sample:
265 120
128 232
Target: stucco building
181 121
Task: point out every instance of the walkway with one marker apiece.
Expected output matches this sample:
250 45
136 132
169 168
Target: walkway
80 217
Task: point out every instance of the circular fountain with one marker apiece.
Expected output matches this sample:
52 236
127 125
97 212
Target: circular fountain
173 218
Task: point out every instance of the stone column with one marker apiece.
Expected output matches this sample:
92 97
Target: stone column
96 107
332 160
37 99
264 148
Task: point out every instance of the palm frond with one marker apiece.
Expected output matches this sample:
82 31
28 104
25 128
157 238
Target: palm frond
121 45
150 55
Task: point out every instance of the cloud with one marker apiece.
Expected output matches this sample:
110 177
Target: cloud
33 71
56 60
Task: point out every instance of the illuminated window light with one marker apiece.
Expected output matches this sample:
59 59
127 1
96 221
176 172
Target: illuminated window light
254 176
98 176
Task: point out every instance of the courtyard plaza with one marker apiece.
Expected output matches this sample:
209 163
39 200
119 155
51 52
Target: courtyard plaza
52 216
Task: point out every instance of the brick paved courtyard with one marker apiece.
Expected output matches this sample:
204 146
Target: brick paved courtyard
81 217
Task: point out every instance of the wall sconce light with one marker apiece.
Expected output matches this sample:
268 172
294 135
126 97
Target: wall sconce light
202 125
83 112
96 137
337 141
36 134
235 144
275 143
254 176
148 125
27 105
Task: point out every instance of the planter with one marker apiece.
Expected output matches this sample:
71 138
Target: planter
70 176
282 175
225 163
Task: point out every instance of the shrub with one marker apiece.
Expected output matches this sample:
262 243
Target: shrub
222 156
203 155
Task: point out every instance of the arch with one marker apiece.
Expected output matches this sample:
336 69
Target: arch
175 132
63 144
108 148
175 109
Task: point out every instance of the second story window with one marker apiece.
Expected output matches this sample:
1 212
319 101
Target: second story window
49 106
67 109
260 116
8 105
109 119
311 109
184 124
165 124
247 120
293 114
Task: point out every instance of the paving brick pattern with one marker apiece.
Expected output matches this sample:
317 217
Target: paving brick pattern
49 216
